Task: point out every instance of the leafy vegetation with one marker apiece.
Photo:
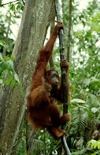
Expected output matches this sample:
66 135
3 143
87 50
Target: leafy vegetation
7 44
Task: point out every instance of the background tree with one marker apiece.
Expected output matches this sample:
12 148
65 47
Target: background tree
29 41
84 74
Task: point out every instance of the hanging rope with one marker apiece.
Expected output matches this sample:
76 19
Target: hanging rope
63 72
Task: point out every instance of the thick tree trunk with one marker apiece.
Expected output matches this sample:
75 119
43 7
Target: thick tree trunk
29 41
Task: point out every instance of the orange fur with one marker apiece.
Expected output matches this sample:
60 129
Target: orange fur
42 112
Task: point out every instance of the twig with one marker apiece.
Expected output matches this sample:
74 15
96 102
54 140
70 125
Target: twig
23 2
8 3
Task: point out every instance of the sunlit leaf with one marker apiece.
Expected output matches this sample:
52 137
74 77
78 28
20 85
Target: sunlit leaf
9 79
12 84
77 101
94 110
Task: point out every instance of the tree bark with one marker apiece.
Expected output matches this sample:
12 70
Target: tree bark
29 41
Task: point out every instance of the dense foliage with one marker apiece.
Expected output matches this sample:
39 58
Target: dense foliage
8 16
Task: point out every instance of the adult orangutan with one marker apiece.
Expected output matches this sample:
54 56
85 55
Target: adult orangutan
42 112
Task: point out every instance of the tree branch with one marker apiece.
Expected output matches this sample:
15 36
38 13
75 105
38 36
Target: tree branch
8 3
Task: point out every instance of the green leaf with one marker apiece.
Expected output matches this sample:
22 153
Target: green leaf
7 58
76 100
66 16
1 43
10 65
1 57
9 79
94 144
2 67
12 58
16 77
94 110
12 84
12 7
